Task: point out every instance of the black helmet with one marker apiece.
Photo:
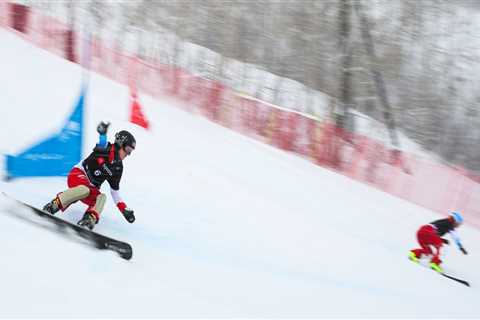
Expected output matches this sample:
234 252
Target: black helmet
125 139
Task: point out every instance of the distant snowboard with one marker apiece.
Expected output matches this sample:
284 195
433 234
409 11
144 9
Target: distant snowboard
422 263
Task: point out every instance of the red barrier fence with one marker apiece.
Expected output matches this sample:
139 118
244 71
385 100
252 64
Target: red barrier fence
435 186
4 14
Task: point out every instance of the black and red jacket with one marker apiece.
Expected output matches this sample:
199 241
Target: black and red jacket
104 164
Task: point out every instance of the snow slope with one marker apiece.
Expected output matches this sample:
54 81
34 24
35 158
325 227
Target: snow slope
226 226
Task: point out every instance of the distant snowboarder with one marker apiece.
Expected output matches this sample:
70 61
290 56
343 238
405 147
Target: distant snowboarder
429 237
85 178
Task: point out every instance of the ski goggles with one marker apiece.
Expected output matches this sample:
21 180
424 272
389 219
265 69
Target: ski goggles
128 149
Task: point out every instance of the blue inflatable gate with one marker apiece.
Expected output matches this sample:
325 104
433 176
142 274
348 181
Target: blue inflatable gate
56 155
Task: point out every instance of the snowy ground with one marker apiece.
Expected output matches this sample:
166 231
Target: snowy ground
226 226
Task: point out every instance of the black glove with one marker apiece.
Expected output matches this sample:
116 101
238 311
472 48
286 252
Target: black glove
102 127
445 241
463 250
128 214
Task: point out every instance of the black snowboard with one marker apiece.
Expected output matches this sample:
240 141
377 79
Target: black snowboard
97 240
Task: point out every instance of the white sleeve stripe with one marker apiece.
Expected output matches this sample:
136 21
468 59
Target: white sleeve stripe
116 195
455 237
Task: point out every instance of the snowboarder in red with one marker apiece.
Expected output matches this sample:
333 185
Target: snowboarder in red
85 179
429 237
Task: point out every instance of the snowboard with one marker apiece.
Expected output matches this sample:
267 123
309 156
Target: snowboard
421 263
99 241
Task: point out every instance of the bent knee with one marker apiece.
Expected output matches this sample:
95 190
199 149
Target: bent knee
81 191
74 194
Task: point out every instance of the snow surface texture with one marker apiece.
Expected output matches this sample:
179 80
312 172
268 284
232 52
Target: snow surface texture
226 226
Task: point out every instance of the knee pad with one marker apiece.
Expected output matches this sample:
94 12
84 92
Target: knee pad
100 203
74 194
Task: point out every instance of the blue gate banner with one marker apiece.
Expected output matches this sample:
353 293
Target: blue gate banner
56 155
